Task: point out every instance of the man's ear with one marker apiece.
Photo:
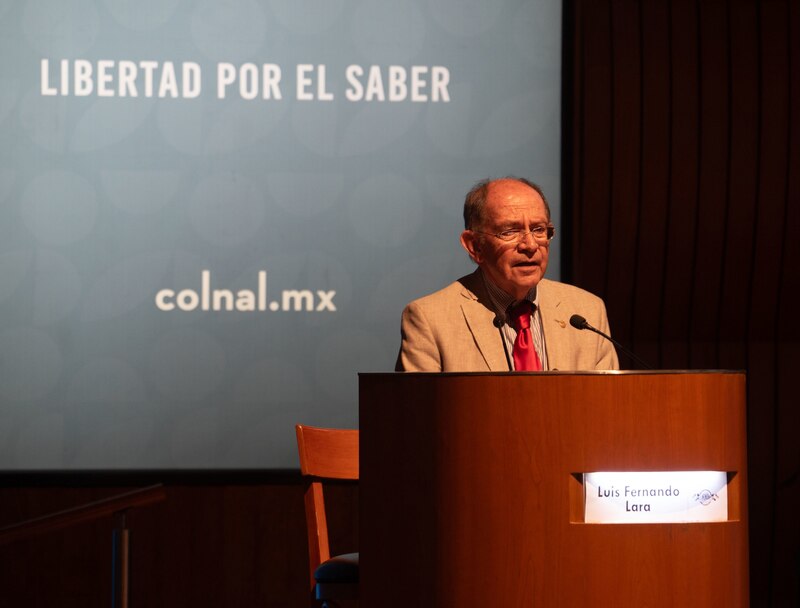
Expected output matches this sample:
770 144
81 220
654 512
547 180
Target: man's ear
472 243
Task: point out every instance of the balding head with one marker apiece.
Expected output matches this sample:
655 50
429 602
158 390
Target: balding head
475 201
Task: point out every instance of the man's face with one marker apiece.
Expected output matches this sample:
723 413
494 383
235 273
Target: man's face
516 266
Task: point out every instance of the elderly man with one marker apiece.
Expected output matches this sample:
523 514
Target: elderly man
506 315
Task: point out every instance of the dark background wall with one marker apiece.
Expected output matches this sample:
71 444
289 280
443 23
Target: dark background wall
236 539
682 197
682 164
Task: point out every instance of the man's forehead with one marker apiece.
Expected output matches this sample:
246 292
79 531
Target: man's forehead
509 196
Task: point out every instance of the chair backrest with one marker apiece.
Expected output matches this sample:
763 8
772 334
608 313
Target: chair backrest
324 454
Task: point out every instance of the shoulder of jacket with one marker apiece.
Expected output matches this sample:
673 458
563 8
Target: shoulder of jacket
460 288
550 288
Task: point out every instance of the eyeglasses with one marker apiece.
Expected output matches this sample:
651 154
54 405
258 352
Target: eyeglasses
541 234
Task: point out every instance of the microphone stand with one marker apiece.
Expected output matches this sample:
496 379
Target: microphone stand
498 323
578 322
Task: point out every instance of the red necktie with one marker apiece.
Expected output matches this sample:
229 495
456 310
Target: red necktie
525 357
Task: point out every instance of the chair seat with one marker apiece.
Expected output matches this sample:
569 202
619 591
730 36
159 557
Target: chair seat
341 569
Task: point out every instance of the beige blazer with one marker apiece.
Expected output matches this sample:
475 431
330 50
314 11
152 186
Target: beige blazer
453 330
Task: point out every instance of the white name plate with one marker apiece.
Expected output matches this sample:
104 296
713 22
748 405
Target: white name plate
655 497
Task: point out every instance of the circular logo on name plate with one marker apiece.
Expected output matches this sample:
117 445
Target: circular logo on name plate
705 497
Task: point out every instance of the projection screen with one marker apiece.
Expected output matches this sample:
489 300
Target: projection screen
212 213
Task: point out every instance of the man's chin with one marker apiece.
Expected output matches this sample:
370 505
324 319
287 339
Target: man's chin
527 275
519 281
525 281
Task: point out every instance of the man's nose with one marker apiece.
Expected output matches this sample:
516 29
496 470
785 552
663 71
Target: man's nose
527 242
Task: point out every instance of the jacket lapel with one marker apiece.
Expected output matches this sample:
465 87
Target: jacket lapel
555 324
479 317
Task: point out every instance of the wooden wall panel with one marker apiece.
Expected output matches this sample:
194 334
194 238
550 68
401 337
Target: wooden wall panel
737 265
626 73
594 104
712 188
701 265
678 250
654 178
213 542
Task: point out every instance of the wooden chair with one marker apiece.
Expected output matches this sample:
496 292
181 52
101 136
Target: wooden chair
327 454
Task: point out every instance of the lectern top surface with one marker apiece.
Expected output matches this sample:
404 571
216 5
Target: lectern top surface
631 372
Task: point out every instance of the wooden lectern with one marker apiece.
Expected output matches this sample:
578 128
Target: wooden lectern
471 489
